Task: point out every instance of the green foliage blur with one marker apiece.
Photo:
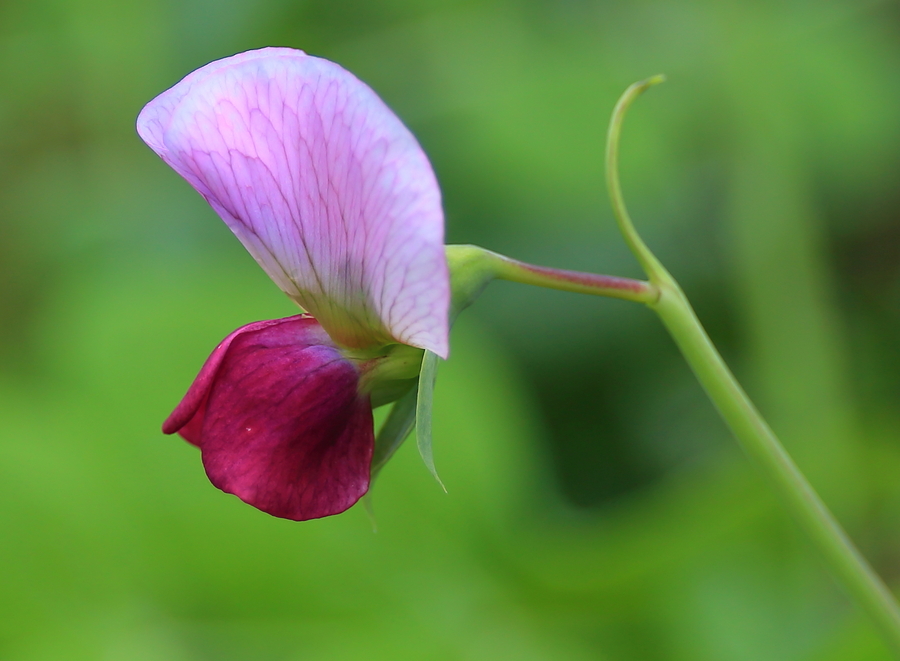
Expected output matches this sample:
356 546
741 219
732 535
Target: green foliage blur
597 507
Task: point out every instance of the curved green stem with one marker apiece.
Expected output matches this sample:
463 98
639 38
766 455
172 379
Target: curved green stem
752 432
650 264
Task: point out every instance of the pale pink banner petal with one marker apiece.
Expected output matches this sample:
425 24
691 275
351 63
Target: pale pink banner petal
322 183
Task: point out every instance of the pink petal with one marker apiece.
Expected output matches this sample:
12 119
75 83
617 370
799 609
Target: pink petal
279 421
323 185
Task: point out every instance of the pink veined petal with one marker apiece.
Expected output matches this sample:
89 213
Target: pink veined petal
279 420
323 185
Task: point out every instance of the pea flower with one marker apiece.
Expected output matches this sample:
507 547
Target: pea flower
337 202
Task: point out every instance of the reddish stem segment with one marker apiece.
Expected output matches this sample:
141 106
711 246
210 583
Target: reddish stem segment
578 282
472 268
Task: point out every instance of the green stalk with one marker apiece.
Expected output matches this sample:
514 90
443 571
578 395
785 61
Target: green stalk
752 432
473 267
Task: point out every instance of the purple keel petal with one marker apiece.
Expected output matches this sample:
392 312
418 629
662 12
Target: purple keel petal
323 185
279 421
187 418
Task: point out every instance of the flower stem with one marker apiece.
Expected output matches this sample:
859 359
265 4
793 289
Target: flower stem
752 432
758 440
473 267
574 281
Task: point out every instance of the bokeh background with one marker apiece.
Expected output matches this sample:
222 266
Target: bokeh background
597 507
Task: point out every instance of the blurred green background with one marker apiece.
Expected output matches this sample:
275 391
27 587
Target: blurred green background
597 507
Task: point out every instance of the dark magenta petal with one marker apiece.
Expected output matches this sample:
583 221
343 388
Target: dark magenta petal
280 423
187 417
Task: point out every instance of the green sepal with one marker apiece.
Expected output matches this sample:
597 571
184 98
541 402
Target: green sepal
424 400
471 270
394 430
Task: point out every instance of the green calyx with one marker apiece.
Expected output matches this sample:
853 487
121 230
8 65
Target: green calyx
471 270
388 373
